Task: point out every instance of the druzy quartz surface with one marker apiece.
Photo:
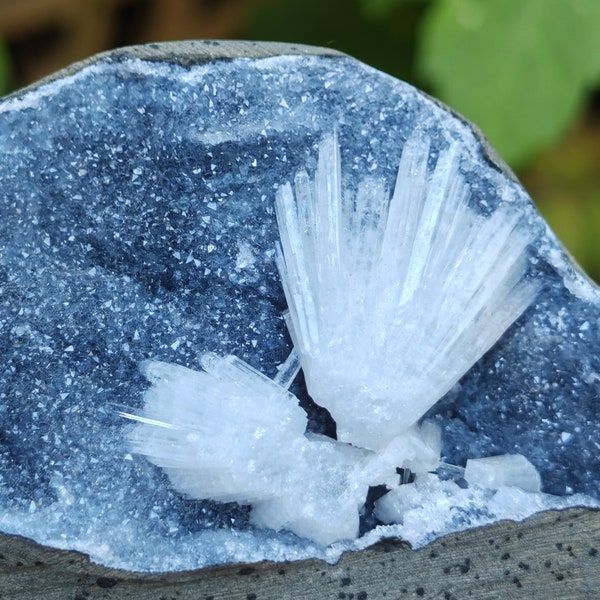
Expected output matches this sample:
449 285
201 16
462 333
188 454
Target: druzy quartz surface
138 203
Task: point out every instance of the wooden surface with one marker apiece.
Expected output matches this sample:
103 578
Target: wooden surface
553 555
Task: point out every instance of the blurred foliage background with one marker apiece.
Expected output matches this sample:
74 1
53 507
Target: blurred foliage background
526 71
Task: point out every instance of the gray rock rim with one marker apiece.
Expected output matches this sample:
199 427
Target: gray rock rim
187 53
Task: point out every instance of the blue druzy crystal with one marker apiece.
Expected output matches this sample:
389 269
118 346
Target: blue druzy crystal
138 222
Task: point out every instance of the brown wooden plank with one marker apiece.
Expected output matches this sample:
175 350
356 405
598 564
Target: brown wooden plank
552 555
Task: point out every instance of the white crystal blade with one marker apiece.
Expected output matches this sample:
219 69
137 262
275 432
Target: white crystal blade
226 433
392 301
231 434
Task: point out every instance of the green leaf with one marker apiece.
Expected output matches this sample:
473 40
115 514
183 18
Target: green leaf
379 9
518 68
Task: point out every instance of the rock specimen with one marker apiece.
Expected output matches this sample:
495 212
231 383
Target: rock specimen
138 194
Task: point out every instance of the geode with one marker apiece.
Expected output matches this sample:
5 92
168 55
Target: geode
139 223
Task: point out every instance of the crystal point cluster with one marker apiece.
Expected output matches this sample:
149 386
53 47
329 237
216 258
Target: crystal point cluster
391 301
231 434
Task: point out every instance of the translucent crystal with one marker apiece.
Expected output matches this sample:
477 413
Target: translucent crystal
231 434
424 510
393 300
447 286
510 470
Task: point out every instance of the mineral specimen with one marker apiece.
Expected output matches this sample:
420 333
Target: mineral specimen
138 197
367 279
393 300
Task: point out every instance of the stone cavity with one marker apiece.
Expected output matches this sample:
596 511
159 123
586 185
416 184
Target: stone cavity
139 225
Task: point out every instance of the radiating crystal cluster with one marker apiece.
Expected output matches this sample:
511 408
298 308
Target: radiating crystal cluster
391 301
231 434
139 228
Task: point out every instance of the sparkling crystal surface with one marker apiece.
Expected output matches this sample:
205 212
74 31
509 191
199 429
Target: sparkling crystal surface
139 222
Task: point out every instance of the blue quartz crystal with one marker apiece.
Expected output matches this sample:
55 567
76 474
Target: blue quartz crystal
138 222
